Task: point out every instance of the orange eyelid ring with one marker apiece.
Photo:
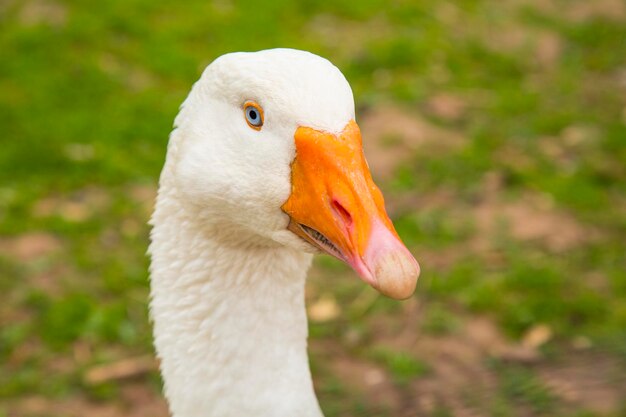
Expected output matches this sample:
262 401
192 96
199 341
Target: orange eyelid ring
256 122
335 205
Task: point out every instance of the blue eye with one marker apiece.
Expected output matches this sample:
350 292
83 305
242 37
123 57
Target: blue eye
254 114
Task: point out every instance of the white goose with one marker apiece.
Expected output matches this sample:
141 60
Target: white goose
264 168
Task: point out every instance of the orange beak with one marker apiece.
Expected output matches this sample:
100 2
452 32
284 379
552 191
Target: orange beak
335 206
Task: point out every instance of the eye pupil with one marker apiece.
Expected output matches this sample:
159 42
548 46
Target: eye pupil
254 114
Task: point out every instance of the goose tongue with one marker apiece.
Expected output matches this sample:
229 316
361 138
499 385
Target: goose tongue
335 205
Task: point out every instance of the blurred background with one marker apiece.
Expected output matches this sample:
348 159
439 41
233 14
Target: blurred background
496 129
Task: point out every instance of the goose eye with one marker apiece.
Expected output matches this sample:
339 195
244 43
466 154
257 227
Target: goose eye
254 114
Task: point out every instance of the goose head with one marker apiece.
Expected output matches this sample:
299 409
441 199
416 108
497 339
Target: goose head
267 151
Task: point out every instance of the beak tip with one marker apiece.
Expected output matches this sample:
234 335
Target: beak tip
396 274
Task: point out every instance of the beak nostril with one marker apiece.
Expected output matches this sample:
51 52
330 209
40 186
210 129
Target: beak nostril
342 212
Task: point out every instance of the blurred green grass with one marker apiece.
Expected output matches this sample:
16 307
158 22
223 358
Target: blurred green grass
87 98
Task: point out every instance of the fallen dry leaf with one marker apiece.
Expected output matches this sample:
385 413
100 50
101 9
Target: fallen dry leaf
324 309
537 336
124 369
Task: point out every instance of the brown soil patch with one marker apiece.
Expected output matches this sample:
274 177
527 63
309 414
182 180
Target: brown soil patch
460 379
400 203
77 207
587 380
392 134
39 11
447 106
581 11
136 400
354 35
577 11
145 195
543 46
369 379
30 246
530 218
548 48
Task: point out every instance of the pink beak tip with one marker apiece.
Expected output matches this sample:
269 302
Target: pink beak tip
396 274
392 269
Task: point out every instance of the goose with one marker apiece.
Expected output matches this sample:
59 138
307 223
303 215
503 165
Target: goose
263 169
